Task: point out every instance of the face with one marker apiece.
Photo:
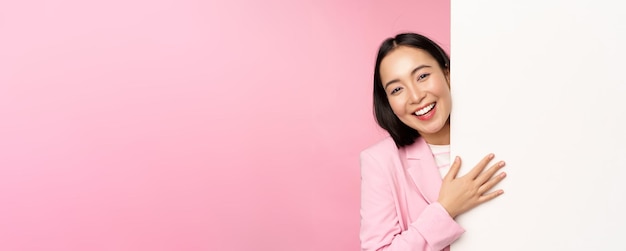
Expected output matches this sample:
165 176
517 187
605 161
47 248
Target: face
418 90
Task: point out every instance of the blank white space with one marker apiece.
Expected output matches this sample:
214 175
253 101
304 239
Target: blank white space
542 84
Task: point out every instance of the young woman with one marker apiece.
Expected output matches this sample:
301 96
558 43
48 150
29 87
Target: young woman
410 194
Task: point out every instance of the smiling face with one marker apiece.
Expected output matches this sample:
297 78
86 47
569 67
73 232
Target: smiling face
418 90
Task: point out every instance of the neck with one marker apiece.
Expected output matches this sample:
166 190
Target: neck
442 137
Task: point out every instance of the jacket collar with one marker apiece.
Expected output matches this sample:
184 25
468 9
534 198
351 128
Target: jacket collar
423 170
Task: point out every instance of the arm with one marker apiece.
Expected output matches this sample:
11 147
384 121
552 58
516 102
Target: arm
380 229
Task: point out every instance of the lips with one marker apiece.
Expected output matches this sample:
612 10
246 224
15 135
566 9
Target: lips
427 112
425 109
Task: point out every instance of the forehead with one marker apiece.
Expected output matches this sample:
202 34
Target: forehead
402 60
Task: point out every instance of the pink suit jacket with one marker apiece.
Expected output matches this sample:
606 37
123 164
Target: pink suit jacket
399 192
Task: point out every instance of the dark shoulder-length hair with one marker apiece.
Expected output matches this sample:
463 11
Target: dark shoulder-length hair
402 134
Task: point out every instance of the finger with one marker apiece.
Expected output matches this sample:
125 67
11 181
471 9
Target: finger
485 176
481 166
454 169
490 196
491 183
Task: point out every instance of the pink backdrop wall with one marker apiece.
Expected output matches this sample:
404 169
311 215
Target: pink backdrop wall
187 125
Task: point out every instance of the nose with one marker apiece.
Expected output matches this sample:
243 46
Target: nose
415 94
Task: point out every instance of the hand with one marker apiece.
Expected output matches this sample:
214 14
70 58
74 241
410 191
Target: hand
459 195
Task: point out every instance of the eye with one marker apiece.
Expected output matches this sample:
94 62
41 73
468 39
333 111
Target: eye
395 90
423 76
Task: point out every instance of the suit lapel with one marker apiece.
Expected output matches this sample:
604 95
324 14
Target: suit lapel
423 170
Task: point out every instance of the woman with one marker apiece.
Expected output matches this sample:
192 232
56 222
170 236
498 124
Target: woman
410 194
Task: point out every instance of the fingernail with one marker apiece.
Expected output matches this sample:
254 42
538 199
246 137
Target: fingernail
503 175
491 155
502 163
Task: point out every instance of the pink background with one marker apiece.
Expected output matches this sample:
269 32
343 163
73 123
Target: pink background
187 125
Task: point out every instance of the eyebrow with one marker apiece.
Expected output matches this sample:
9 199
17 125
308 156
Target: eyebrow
412 72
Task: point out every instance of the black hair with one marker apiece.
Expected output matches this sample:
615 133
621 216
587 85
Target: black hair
402 134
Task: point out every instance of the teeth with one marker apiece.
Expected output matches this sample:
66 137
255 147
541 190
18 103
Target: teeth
425 110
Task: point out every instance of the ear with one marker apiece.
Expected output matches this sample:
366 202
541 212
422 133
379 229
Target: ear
446 72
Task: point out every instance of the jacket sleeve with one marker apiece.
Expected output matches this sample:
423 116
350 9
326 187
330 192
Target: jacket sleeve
380 227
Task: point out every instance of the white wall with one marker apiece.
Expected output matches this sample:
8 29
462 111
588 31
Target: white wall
541 84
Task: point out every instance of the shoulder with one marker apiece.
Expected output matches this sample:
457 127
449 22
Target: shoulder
383 151
384 146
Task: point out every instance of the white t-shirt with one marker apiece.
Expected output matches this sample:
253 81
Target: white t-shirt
442 158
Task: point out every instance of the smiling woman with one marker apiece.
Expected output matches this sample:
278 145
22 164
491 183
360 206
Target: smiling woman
410 74
410 194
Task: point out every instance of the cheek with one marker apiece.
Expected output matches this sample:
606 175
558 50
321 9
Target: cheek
397 105
447 94
446 99
444 93
442 89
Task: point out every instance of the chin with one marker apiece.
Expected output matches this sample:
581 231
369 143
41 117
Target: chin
432 129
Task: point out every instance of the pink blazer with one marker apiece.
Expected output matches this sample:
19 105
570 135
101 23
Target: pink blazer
399 208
